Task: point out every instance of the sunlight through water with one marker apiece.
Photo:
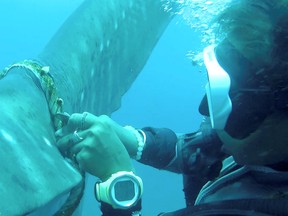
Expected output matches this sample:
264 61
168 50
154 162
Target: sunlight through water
198 14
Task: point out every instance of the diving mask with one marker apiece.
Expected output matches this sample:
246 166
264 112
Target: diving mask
237 97
217 90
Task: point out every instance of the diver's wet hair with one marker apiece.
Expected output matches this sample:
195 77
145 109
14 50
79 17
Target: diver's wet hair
259 30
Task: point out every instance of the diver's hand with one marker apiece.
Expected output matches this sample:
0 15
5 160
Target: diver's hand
96 146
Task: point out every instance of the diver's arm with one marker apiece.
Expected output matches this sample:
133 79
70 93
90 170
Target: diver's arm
195 153
156 141
160 147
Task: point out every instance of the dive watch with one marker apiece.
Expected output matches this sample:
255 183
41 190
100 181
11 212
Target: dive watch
122 190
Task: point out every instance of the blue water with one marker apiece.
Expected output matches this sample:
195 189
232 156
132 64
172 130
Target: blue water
169 89
166 93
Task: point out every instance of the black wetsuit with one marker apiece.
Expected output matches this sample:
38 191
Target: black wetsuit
200 159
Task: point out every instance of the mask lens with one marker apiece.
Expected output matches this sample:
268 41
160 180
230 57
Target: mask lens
234 101
249 111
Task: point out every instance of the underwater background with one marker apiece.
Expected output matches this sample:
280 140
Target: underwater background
166 93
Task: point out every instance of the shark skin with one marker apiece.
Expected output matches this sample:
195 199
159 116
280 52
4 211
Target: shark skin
94 58
103 51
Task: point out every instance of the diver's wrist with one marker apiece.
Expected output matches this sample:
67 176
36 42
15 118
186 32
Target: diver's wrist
137 143
125 166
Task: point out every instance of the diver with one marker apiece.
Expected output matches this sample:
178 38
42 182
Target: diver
236 163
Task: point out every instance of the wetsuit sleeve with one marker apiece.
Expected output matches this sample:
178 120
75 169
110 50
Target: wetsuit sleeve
160 147
201 152
195 153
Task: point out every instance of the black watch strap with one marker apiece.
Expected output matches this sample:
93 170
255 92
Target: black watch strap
108 210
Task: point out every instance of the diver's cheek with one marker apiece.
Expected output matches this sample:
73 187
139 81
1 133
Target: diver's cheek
249 151
239 150
267 145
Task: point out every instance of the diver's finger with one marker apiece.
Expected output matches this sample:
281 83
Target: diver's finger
68 141
63 132
81 122
64 117
59 133
75 149
78 121
64 143
73 122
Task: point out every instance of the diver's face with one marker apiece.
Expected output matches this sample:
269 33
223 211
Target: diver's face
236 99
266 145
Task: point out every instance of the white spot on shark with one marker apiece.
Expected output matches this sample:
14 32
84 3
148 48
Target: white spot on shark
92 73
47 141
108 43
101 47
82 97
7 136
130 4
123 14
109 65
116 25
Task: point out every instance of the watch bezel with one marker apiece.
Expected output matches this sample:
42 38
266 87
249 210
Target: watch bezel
105 191
137 191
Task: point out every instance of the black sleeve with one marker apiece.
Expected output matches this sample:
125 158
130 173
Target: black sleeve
199 153
108 210
202 160
160 147
202 153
